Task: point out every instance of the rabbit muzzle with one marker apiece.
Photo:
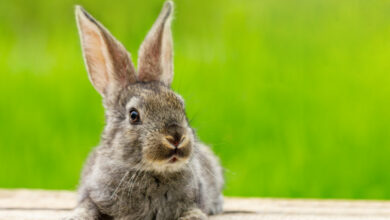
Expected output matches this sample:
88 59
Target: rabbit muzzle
170 149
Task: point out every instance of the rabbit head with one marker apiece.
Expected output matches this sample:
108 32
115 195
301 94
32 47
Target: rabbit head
146 122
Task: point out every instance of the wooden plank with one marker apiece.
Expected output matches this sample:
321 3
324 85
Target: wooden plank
49 205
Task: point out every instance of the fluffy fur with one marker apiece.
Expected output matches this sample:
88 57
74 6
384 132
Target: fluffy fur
154 168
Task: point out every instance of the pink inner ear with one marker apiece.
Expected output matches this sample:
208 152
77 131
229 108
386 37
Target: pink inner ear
106 59
93 45
167 58
150 58
123 68
155 55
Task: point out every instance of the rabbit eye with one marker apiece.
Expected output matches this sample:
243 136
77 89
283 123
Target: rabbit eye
134 116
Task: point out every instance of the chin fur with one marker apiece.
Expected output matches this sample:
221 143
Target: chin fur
166 166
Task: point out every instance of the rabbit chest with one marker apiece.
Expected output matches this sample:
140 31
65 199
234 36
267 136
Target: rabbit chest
143 195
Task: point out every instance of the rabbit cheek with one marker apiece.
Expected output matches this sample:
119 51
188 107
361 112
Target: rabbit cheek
185 151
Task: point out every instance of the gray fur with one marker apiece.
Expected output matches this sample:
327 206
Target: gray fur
136 172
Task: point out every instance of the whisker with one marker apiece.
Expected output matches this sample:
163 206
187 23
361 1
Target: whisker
120 183
133 179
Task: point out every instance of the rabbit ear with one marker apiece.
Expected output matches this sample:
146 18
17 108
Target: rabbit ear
155 61
108 63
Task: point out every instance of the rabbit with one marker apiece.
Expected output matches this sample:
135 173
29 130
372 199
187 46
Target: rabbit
149 163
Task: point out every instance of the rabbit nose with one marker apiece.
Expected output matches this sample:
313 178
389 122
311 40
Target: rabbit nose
175 134
175 140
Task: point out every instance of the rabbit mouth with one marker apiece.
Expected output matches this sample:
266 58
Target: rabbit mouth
164 159
173 159
167 152
181 152
178 154
170 161
166 156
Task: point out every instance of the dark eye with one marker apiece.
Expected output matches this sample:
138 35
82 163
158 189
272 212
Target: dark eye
134 116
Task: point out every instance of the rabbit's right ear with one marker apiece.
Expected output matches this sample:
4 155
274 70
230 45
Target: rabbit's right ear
108 63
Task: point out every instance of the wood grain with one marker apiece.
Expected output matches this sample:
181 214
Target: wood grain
48 205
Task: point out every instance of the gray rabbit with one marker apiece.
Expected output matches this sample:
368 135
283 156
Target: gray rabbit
149 164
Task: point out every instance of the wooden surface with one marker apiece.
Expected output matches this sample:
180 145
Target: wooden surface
42 205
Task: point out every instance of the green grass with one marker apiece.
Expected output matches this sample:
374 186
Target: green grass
293 95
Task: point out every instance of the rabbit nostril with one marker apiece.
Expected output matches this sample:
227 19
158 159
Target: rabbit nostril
175 140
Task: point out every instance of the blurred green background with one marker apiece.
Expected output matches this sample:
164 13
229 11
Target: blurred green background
293 95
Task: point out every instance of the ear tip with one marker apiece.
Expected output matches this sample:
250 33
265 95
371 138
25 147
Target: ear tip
81 12
78 9
168 5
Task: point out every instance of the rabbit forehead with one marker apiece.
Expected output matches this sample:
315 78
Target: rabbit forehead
155 99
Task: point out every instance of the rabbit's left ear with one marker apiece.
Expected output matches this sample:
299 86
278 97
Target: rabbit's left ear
155 59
